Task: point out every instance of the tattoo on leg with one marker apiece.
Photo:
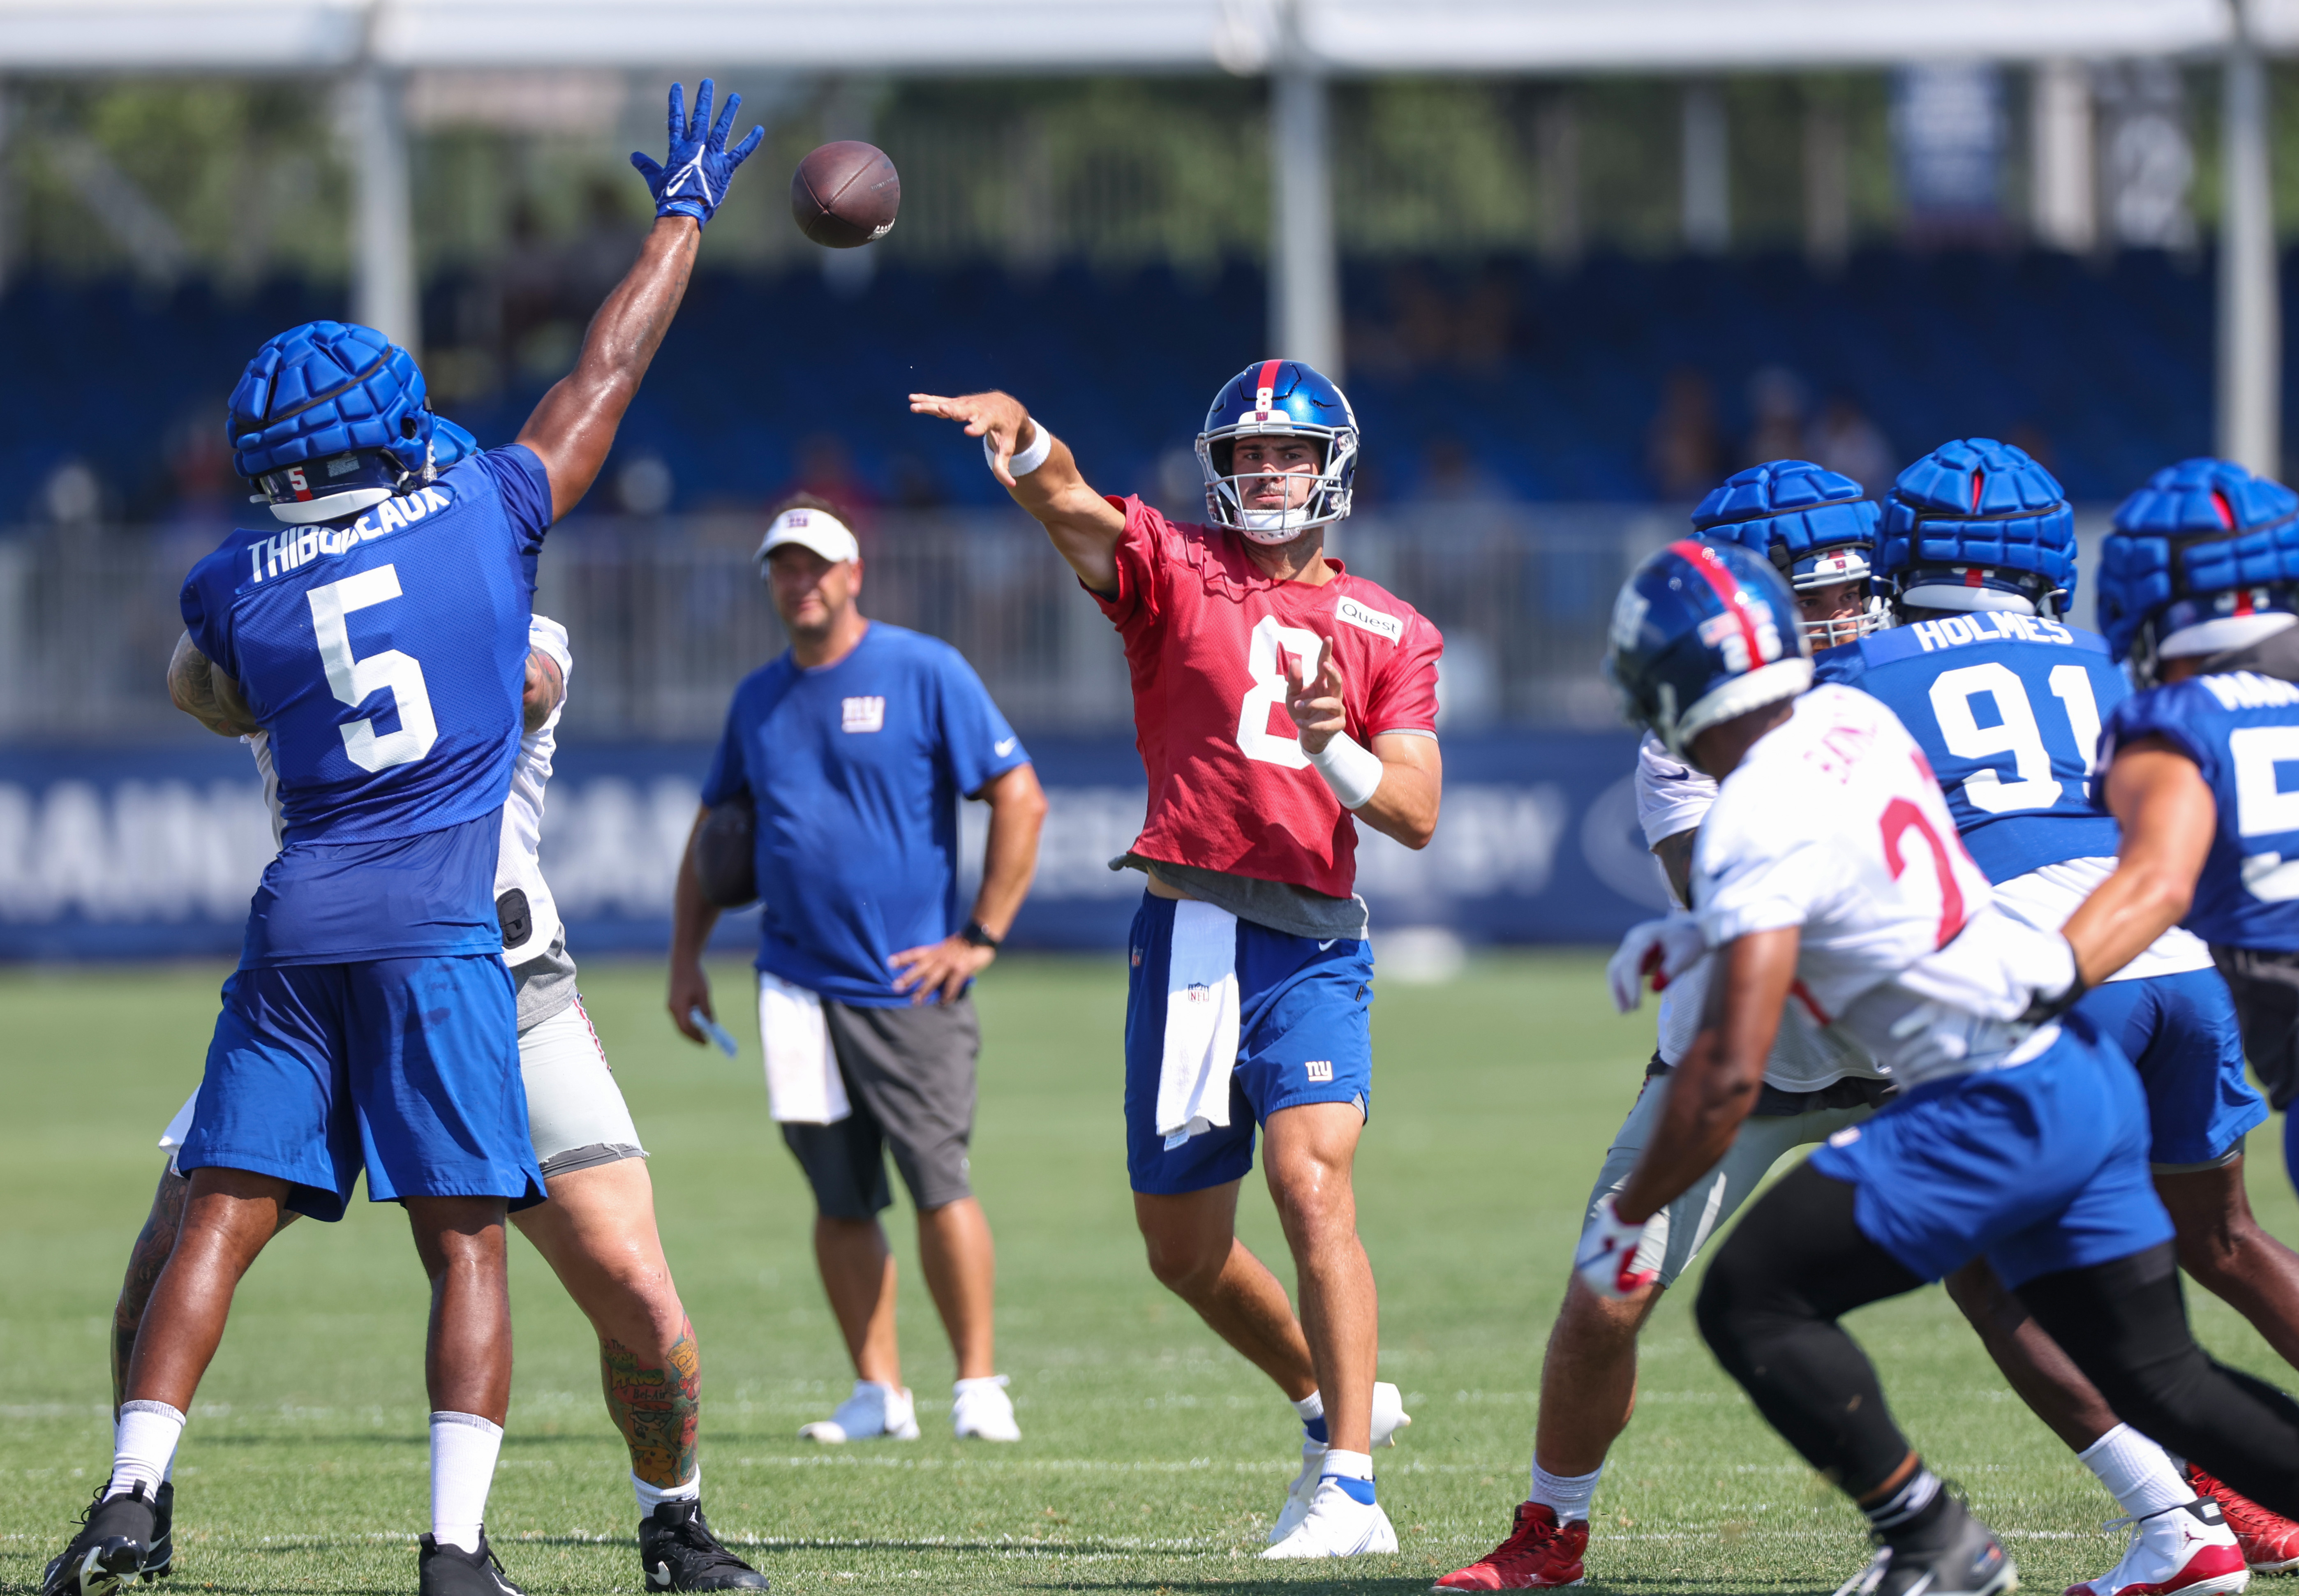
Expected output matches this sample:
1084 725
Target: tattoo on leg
149 1256
656 1407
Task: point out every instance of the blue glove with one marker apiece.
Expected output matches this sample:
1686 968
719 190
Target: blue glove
701 163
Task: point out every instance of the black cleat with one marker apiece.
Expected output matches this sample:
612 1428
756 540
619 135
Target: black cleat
1954 1555
451 1571
108 1552
160 1558
679 1553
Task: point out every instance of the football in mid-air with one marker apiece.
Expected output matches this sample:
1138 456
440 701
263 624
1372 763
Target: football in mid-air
845 194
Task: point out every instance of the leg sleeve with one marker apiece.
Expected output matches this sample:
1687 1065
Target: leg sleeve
1768 1311
2125 1328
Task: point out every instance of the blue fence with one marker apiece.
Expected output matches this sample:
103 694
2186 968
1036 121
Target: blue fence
150 851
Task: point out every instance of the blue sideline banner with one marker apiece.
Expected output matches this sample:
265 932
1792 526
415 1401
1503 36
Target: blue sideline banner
138 852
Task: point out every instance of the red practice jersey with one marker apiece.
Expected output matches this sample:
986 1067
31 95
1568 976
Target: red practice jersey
1229 788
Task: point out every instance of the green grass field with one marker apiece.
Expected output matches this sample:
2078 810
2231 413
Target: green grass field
1152 1459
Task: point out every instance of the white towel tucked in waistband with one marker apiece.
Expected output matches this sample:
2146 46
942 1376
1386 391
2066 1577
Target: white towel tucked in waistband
1200 1023
803 1085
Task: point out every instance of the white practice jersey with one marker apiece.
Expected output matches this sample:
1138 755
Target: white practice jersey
2045 898
1834 824
1673 798
518 863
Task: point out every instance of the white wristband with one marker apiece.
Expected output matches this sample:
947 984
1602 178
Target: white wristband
1022 461
1349 767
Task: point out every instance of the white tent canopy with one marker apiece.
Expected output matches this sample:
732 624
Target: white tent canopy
944 36
1298 43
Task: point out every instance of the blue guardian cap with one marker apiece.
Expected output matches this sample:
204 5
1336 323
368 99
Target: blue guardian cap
2201 559
1979 525
1278 398
1701 632
1817 526
328 419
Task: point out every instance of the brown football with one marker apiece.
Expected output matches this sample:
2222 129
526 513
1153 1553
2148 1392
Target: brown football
845 194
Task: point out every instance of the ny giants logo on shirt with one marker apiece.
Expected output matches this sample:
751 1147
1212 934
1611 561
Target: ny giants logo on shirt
862 714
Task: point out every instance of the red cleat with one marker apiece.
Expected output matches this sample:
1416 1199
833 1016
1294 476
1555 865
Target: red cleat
2270 1541
1539 1555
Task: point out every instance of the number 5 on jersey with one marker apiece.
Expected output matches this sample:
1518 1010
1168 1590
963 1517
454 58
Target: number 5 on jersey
356 680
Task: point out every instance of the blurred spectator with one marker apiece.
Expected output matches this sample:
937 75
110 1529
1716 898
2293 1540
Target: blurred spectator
644 485
918 486
1451 475
1182 484
2031 437
1844 439
1681 452
1776 402
206 496
72 496
827 470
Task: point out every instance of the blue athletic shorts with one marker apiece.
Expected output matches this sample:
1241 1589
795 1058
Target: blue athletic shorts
1304 1035
2040 1166
2181 1033
406 1067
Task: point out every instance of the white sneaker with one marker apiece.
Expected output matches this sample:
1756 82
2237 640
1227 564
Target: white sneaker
2189 1549
874 1412
1337 1526
981 1408
1301 1492
1388 1416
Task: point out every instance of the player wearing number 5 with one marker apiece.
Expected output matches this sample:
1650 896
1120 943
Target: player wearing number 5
1279 700
377 634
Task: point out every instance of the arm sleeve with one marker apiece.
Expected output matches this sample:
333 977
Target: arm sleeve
1671 796
1143 549
526 488
727 777
205 603
1404 698
976 740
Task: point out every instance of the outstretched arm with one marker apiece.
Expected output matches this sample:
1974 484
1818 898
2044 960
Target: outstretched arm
209 696
2169 819
574 427
1085 525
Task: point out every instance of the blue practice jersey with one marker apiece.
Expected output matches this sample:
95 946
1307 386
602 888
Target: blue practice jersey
2242 730
385 656
856 770
2007 708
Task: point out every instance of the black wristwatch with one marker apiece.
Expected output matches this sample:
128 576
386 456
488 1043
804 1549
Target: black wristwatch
978 937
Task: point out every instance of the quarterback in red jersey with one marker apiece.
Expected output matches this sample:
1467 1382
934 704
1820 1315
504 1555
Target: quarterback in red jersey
1279 703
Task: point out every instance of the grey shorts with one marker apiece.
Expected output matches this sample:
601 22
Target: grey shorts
910 1076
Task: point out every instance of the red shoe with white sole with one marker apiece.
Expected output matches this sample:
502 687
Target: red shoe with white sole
2189 1549
1540 1554
2270 1541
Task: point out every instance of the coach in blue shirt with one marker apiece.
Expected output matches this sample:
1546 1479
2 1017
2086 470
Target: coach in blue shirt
853 749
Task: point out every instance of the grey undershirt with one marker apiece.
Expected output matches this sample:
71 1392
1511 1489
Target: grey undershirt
1278 905
546 984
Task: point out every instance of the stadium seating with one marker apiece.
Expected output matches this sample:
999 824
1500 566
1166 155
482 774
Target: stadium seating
1553 391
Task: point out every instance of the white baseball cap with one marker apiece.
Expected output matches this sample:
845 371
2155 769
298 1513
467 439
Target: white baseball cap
815 529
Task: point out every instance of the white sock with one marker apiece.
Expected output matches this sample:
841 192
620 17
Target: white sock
1349 1465
463 1449
2136 1472
651 1497
1312 1406
1566 1495
143 1446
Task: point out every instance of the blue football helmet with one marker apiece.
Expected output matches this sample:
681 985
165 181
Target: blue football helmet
1817 526
1278 399
1978 524
2203 559
328 419
1703 632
